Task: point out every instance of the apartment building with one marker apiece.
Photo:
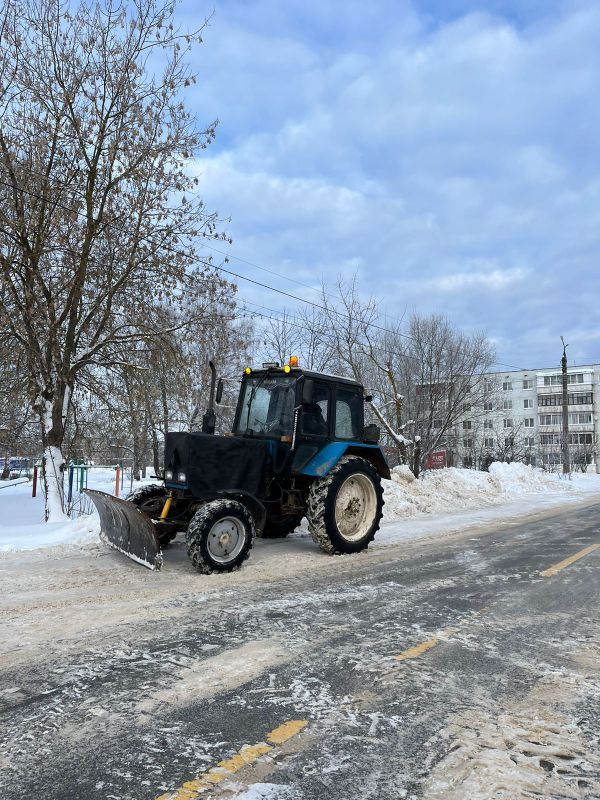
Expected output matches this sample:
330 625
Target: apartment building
520 418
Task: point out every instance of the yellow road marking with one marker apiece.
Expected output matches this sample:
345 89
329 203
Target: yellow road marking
547 573
190 790
286 731
417 650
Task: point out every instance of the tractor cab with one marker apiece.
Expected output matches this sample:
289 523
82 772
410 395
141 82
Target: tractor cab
279 403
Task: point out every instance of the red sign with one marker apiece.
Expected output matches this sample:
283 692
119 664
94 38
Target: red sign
436 460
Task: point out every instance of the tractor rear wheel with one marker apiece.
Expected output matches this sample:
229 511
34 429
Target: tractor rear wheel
150 499
279 527
220 536
345 507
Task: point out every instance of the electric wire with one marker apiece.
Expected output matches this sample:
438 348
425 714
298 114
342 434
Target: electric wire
289 295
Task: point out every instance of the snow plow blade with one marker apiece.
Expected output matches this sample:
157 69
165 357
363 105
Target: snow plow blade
127 529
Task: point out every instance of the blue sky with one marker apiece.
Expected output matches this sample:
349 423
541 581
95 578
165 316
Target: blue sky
447 152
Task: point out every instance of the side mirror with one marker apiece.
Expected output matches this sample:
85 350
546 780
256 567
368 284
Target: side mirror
219 396
308 388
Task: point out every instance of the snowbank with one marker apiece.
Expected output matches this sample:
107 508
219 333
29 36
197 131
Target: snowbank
447 490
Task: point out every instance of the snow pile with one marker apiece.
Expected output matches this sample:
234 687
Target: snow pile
403 474
518 478
452 489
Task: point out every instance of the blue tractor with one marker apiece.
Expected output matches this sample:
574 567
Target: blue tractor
299 447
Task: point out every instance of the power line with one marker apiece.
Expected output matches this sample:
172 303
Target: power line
299 299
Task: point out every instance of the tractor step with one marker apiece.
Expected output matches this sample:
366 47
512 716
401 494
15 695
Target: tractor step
127 529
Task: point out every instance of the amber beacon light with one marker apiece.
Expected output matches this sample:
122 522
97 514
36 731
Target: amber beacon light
293 361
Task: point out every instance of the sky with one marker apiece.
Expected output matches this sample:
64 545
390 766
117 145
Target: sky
445 151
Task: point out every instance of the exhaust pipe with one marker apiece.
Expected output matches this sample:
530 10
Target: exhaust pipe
210 418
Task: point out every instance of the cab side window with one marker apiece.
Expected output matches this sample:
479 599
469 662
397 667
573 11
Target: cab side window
315 415
347 414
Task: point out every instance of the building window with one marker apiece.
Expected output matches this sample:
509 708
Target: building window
437 424
528 403
529 441
581 399
468 443
507 404
509 441
550 419
488 386
581 438
529 423
556 380
488 443
549 438
507 386
580 418
528 383
578 399
466 407
508 423
549 400
467 425
488 424
487 406
552 459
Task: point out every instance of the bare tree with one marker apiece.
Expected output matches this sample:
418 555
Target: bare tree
98 214
448 383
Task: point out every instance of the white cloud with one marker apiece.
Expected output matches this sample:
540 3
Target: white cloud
462 281
435 155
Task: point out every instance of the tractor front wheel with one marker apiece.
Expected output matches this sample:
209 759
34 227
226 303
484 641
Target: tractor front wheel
345 507
220 536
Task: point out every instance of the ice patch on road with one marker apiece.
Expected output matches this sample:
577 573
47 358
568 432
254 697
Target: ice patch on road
217 674
269 791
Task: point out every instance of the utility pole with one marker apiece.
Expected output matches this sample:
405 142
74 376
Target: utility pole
565 412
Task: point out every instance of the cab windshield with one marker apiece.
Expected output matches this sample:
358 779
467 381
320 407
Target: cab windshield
267 406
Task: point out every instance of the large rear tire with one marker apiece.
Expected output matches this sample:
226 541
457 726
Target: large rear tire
150 499
220 536
345 507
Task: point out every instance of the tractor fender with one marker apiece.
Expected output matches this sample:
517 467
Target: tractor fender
329 455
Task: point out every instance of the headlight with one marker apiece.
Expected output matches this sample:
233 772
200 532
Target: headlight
169 474
181 477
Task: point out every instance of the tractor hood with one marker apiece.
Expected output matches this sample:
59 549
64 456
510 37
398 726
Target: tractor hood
213 465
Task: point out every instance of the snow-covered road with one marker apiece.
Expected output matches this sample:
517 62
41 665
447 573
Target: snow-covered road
440 668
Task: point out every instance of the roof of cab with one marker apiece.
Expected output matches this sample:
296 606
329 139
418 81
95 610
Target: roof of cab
317 376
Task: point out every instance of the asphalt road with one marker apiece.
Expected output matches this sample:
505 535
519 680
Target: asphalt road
457 671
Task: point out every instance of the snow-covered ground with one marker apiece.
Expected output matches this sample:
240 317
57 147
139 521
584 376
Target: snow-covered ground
440 502
21 515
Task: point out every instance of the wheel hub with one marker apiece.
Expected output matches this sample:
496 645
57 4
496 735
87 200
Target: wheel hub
226 539
355 507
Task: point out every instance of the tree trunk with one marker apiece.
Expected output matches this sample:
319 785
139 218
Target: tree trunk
53 414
